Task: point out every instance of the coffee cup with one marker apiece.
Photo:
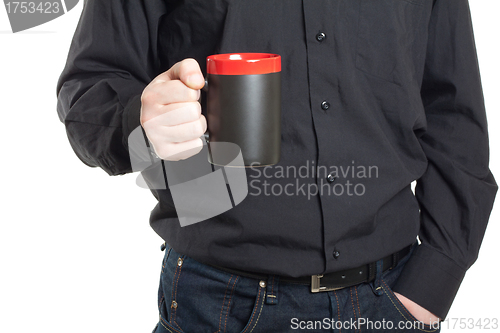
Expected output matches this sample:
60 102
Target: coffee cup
244 107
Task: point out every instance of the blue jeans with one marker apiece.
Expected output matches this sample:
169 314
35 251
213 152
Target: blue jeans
194 297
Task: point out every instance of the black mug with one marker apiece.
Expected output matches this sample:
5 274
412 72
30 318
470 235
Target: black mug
244 107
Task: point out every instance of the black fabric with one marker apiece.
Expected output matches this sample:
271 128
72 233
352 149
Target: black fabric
339 279
131 117
402 83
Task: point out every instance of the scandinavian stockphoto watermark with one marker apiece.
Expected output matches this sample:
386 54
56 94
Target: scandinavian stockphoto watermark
310 180
24 15
200 188
213 181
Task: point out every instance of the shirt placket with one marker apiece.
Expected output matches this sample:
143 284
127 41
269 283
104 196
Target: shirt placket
320 22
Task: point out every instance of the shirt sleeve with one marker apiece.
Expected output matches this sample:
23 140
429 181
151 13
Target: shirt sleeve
113 56
457 191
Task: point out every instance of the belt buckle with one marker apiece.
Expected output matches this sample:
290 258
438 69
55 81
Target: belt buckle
316 286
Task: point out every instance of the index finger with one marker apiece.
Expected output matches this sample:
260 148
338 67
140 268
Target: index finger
187 71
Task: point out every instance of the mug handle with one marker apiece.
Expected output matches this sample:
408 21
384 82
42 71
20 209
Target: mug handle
205 89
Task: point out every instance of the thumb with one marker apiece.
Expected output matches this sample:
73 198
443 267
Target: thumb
189 72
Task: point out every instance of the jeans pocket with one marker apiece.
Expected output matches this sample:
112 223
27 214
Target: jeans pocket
163 326
387 30
202 298
402 315
165 256
385 307
398 313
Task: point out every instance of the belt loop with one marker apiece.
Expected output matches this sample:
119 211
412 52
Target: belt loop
377 283
395 259
272 289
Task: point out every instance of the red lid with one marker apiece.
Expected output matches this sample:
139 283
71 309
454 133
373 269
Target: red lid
243 63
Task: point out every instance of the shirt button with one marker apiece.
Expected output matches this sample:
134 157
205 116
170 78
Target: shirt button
330 178
325 105
320 36
336 254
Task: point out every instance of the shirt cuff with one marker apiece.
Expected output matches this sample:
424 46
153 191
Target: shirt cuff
131 117
430 279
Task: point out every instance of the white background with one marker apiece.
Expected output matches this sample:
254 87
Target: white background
76 250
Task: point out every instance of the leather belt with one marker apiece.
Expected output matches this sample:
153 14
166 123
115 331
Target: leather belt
334 280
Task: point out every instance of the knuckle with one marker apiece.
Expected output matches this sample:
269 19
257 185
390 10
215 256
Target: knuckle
189 62
195 111
193 95
188 65
189 113
148 97
197 129
164 151
194 148
199 143
185 64
204 123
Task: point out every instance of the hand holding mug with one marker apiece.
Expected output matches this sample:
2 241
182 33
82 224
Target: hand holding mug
171 113
243 109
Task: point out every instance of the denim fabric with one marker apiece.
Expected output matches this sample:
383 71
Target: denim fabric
194 298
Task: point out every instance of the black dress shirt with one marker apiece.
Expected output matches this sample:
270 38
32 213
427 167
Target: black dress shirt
387 86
